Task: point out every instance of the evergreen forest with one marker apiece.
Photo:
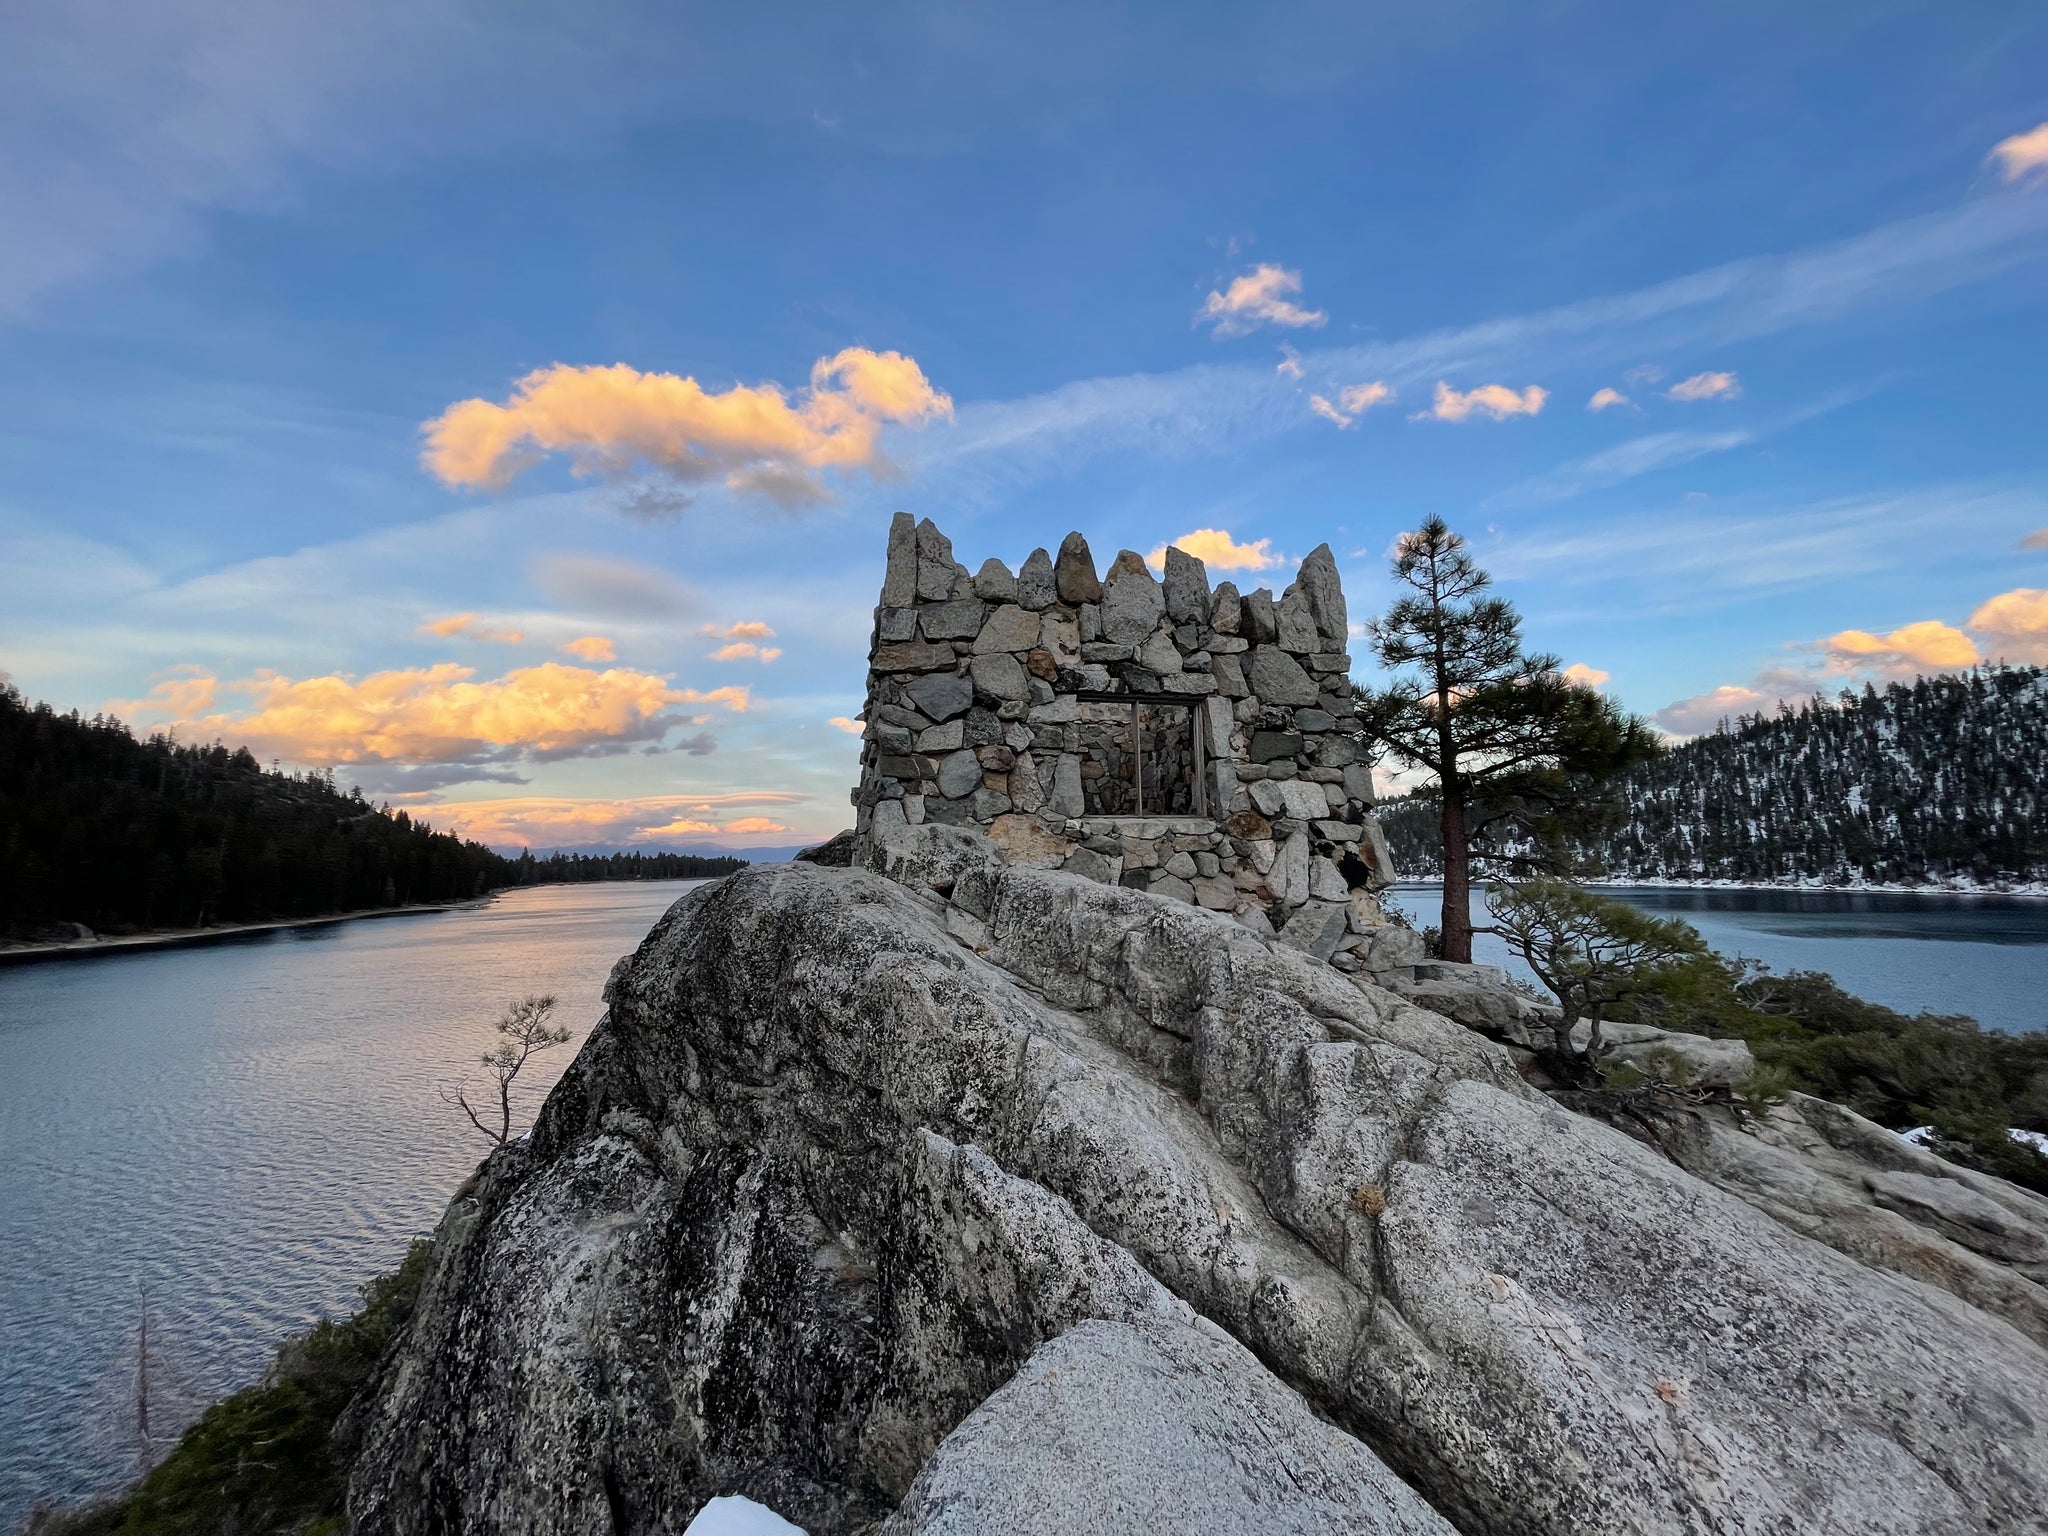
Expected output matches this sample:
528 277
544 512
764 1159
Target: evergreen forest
1940 780
119 835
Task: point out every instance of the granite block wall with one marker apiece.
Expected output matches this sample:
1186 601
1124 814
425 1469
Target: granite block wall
1189 740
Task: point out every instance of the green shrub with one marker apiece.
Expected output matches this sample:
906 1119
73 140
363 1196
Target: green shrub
1900 1070
265 1460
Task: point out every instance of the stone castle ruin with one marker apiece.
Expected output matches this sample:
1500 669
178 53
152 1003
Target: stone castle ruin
1162 735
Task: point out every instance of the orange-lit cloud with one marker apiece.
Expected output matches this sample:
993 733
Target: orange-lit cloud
466 626
2038 539
1603 399
1255 298
2016 623
1702 712
746 629
538 821
591 648
1353 401
1585 676
1495 400
746 650
1219 552
2023 152
845 723
1706 386
755 438
435 717
1928 645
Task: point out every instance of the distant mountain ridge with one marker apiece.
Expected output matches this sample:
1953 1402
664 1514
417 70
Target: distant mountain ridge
1941 781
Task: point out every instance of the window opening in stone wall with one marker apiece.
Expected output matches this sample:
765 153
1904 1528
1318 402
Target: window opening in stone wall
1141 756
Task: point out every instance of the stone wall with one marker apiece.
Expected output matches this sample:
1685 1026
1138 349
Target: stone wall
1000 701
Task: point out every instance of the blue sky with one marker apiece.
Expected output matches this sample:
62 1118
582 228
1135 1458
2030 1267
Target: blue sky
252 250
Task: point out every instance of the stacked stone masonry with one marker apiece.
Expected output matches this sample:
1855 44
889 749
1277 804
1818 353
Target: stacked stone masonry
1163 735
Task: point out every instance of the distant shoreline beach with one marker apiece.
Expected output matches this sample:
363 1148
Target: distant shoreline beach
171 938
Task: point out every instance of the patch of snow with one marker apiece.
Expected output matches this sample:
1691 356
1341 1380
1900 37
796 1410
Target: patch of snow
2034 1139
1918 1136
732 1515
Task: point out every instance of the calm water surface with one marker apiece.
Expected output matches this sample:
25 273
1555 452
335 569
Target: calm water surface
1986 956
246 1131
242 1133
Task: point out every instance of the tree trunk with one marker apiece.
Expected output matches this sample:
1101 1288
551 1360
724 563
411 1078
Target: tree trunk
1456 921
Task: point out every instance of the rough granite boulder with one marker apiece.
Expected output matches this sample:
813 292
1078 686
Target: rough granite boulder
855 1152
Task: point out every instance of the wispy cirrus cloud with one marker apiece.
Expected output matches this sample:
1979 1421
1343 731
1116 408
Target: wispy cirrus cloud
468 626
1707 386
1214 408
1262 296
755 439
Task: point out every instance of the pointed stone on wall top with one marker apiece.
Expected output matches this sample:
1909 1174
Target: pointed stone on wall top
936 568
1131 600
1075 571
993 583
1321 586
1037 588
1187 587
899 580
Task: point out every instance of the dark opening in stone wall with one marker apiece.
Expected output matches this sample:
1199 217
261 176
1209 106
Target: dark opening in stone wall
1165 743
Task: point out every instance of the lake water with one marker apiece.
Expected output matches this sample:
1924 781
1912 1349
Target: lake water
243 1132
1986 956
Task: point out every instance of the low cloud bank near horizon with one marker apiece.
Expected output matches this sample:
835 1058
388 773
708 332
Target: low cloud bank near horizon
421 728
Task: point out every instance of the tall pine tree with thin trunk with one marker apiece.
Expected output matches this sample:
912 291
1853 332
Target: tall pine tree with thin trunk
1501 731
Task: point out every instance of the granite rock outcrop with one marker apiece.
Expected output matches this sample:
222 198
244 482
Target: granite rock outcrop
878 1189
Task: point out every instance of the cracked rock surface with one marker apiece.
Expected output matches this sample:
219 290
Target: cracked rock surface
1087 1210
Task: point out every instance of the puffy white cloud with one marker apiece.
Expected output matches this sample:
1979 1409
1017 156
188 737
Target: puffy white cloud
466 626
1585 676
1707 386
2016 624
614 419
1217 550
1928 645
1703 711
1604 398
1255 298
591 648
1495 400
2023 152
1353 401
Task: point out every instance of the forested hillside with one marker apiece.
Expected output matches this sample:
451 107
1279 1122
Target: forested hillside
1939 780
100 829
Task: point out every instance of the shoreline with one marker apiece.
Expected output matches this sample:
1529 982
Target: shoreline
177 938
2029 889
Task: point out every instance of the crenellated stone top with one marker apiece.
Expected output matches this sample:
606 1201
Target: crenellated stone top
1190 740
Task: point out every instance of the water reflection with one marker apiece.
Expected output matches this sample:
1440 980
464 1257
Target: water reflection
246 1130
1985 956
